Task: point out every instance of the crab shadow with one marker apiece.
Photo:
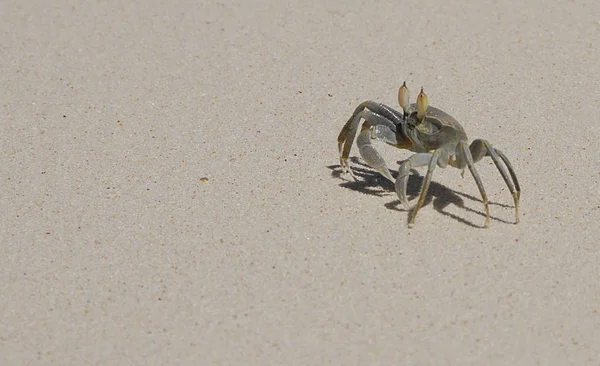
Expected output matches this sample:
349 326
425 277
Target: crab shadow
372 183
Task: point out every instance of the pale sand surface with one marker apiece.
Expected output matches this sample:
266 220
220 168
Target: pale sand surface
171 189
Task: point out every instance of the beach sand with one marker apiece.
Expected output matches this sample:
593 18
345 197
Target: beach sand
172 193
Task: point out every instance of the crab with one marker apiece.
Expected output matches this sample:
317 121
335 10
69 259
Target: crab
436 138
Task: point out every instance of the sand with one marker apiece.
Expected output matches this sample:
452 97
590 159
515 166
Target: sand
172 193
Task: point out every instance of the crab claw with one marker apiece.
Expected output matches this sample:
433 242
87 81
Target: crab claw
403 96
422 104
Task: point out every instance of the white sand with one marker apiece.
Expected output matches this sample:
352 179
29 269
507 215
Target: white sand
171 185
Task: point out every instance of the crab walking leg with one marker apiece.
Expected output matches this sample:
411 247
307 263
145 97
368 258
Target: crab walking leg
346 136
463 150
345 141
511 171
425 186
348 132
480 148
415 161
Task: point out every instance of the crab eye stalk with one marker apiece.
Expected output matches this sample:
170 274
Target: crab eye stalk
422 104
403 96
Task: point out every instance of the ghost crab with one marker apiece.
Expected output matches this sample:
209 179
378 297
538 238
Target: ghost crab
435 137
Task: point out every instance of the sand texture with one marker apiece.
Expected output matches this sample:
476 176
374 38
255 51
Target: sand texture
172 194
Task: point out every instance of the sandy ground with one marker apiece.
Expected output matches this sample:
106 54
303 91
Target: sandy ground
172 194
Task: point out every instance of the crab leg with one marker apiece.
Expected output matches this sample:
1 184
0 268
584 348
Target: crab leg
480 148
511 171
376 114
465 155
425 186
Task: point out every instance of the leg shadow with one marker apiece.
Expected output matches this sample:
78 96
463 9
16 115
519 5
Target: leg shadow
373 183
